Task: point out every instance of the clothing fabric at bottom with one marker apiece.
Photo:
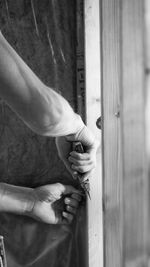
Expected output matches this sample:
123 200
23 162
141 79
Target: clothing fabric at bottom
32 243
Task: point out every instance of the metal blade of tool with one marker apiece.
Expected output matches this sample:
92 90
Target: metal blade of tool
77 146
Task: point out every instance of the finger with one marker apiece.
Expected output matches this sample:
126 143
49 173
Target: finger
80 156
68 166
71 202
67 216
76 196
79 162
83 169
71 209
69 189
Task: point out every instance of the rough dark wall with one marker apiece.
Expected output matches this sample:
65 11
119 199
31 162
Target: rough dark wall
43 33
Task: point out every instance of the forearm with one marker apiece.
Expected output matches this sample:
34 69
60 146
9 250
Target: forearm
40 107
15 199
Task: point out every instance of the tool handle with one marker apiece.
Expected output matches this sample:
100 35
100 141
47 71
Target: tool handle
77 146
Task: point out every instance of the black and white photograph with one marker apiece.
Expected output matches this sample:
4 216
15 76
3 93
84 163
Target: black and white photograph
75 133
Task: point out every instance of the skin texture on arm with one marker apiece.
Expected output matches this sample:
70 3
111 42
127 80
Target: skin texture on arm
15 199
40 107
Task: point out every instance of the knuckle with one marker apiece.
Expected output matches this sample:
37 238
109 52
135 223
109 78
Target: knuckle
60 186
76 196
78 156
67 201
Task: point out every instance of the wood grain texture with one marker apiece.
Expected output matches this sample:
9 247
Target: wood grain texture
92 80
112 160
135 180
126 204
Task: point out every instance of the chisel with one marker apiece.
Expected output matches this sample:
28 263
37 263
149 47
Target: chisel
77 146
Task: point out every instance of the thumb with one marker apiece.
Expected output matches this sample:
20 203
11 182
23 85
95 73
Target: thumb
85 136
69 189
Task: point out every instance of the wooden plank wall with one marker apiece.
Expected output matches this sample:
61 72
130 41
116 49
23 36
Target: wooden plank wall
92 81
125 176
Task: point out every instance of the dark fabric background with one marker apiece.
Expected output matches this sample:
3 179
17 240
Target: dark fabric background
44 35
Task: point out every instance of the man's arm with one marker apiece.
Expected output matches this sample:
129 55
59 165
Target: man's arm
40 107
44 111
40 203
15 199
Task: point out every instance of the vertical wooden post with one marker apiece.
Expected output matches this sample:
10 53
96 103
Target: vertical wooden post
112 160
126 204
92 81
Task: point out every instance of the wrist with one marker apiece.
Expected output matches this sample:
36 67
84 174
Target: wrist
15 199
78 124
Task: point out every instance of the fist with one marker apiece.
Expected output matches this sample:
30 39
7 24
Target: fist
76 162
55 203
